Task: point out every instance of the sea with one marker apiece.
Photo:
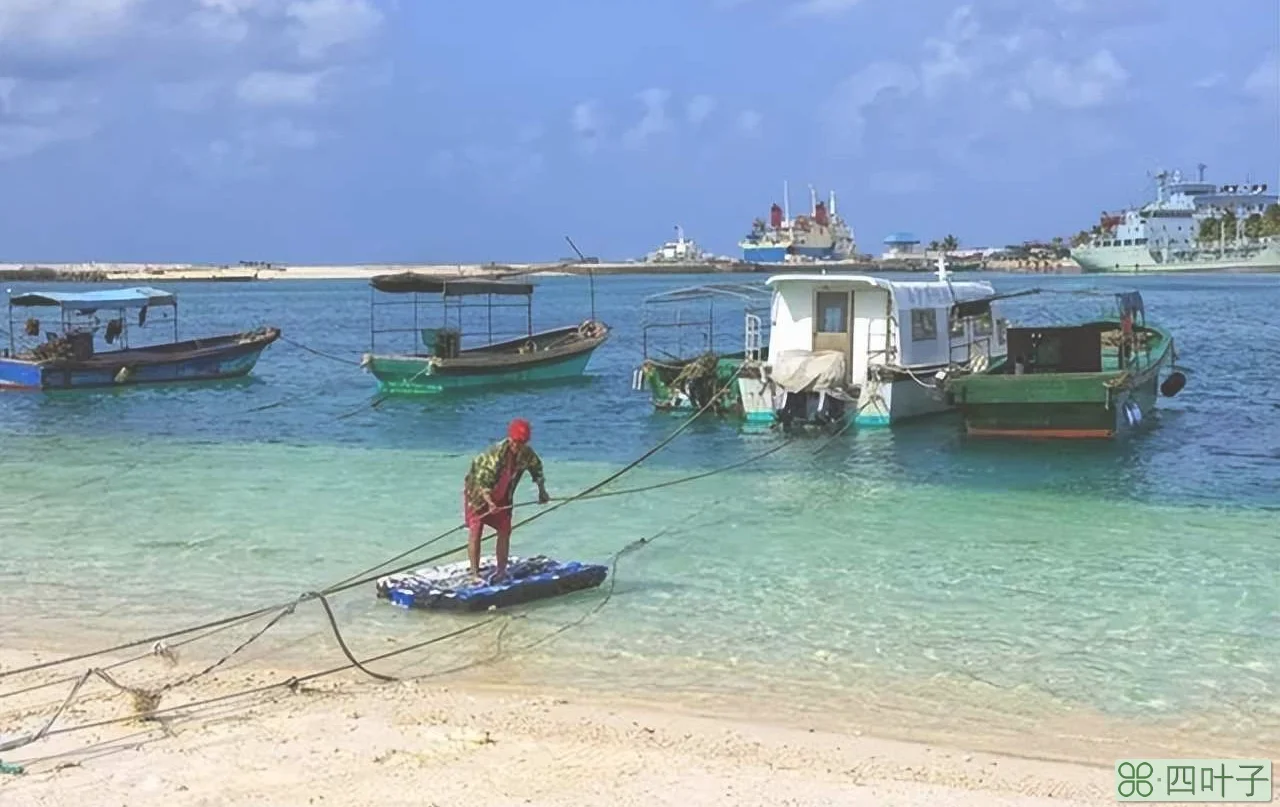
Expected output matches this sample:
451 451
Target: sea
904 577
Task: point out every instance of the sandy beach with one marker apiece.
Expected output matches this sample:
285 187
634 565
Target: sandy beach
351 741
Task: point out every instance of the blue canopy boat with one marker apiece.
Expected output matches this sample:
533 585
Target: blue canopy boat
68 358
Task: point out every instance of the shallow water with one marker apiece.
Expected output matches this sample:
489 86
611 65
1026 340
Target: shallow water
1137 578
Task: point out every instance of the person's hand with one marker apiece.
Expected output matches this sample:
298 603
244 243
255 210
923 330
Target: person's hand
488 500
543 496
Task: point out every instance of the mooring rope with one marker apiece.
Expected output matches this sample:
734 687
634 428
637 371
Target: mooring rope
364 577
319 353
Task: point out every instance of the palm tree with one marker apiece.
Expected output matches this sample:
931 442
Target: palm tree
950 243
934 246
1253 226
1271 220
1208 230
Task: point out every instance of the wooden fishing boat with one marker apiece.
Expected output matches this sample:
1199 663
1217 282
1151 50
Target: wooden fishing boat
439 362
69 358
1093 380
692 349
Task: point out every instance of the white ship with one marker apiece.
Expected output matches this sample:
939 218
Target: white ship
1189 227
681 250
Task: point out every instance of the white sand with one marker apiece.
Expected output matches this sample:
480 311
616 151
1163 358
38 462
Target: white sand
350 741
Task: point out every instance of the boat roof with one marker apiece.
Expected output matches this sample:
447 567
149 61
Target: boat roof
748 292
908 293
417 283
138 297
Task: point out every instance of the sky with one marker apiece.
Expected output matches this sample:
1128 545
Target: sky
340 131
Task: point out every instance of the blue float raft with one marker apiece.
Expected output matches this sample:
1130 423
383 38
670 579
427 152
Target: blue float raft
449 587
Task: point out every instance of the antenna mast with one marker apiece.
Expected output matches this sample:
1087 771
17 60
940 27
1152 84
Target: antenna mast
591 275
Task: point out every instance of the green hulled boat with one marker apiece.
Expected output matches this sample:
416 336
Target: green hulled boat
1093 380
691 350
441 364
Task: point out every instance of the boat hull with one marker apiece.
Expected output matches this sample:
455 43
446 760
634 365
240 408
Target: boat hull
880 404
778 254
498 365
659 377
211 359
1087 406
1138 260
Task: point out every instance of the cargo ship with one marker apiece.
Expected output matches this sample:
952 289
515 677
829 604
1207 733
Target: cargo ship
819 236
1191 226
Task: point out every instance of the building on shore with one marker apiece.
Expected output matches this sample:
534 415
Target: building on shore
902 246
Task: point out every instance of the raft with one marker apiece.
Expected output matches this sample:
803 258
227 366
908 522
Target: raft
448 587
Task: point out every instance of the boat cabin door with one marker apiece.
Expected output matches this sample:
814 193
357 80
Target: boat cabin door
832 328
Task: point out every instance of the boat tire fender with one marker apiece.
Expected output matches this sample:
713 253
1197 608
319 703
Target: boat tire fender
1173 384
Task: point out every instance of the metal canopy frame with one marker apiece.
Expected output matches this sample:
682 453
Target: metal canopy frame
78 312
449 296
752 297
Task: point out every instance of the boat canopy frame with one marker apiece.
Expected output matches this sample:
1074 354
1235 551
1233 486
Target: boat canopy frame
754 298
449 296
78 309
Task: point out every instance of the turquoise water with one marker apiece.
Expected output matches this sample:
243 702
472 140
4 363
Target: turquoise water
1136 579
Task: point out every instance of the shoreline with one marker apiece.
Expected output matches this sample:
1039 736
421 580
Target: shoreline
348 740
180 272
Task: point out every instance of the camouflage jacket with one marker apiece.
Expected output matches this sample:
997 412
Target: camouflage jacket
486 470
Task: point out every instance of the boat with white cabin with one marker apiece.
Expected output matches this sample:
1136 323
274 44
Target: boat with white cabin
850 349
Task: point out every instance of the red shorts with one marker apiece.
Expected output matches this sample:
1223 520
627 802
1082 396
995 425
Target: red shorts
476 519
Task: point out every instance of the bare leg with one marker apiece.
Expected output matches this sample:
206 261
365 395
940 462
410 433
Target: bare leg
473 548
504 546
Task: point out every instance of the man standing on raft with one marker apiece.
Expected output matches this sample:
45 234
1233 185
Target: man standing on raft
489 488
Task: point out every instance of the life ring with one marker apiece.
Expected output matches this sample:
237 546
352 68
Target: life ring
529 347
590 329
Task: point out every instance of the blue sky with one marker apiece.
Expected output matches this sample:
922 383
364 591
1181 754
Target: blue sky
313 131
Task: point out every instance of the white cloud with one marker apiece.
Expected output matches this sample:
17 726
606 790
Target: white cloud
197 95
900 182
1210 81
1264 81
37 114
585 120
949 58
699 109
63 23
1091 83
821 8
321 25
273 88
655 120
749 122
282 133
845 115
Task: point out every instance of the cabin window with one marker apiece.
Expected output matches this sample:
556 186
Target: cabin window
924 324
1128 242
833 312
957 326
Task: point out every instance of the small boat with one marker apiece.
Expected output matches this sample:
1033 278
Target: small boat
438 361
691 349
1092 380
450 588
69 359
848 349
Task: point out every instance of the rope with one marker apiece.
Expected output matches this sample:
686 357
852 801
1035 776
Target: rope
319 353
293 682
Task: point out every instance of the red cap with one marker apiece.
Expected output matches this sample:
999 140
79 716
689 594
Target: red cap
519 431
